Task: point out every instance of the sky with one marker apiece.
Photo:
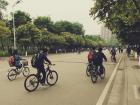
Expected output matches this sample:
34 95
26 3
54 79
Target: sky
70 10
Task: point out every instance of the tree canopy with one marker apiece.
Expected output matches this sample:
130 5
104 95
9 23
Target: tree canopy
21 18
3 5
121 17
33 34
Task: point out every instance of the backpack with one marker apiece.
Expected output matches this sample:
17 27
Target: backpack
34 60
11 60
96 58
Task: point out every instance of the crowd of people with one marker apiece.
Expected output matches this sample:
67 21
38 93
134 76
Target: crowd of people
95 56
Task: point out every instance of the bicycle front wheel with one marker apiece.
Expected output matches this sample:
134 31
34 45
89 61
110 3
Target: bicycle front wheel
31 83
87 71
12 74
26 71
52 78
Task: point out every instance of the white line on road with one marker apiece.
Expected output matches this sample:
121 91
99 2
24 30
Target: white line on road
105 92
136 93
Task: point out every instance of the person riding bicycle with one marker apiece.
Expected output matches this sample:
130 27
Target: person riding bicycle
113 54
17 59
128 51
98 59
90 54
40 64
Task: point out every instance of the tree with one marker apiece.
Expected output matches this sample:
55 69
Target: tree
4 32
28 35
120 16
44 22
77 29
21 18
3 5
66 26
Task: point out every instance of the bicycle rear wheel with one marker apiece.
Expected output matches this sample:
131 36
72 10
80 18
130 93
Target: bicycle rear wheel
94 76
103 73
31 83
52 78
12 74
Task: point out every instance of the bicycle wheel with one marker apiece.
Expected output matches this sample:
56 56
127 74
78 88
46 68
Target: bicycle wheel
52 78
94 77
12 74
87 70
31 83
26 71
103 74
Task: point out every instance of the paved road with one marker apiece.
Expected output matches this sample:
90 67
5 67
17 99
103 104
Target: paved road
72 88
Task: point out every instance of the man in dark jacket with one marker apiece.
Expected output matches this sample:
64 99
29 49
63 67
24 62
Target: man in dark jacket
42 57
98 59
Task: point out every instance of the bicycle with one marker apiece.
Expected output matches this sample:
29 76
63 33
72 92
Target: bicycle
32 81
13 72
96 72
113 58
90 66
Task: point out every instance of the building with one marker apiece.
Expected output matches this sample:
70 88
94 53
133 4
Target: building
105 33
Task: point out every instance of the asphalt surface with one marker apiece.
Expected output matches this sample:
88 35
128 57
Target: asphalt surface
73 86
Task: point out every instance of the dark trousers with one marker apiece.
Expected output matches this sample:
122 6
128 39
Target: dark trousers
40 70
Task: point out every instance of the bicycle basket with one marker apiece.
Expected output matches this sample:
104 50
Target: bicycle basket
25 63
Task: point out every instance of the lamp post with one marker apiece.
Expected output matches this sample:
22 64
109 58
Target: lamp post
14 30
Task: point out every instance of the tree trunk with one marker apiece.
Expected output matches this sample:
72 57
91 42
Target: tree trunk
2 45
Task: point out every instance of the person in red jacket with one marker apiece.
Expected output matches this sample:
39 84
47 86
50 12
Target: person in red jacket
90 55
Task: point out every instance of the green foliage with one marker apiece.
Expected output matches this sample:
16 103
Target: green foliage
43 32
21 18
3 5
44 22
4 31
3 53
121 17
66 26
27 34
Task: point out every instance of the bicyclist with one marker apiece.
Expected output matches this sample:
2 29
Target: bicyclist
90 54
128 51
17 59
98 59
40 64
113 54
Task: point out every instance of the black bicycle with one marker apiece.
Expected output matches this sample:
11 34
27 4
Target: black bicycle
14 71
96 72
32 81
90 66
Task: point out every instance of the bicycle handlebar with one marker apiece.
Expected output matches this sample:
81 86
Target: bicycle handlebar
50 64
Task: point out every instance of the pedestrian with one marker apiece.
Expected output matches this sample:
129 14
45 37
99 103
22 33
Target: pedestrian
128 51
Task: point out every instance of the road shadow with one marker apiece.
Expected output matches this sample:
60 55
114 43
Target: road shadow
136 67
120 69
133 59
42 89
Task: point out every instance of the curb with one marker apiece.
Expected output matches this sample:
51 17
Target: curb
104 96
